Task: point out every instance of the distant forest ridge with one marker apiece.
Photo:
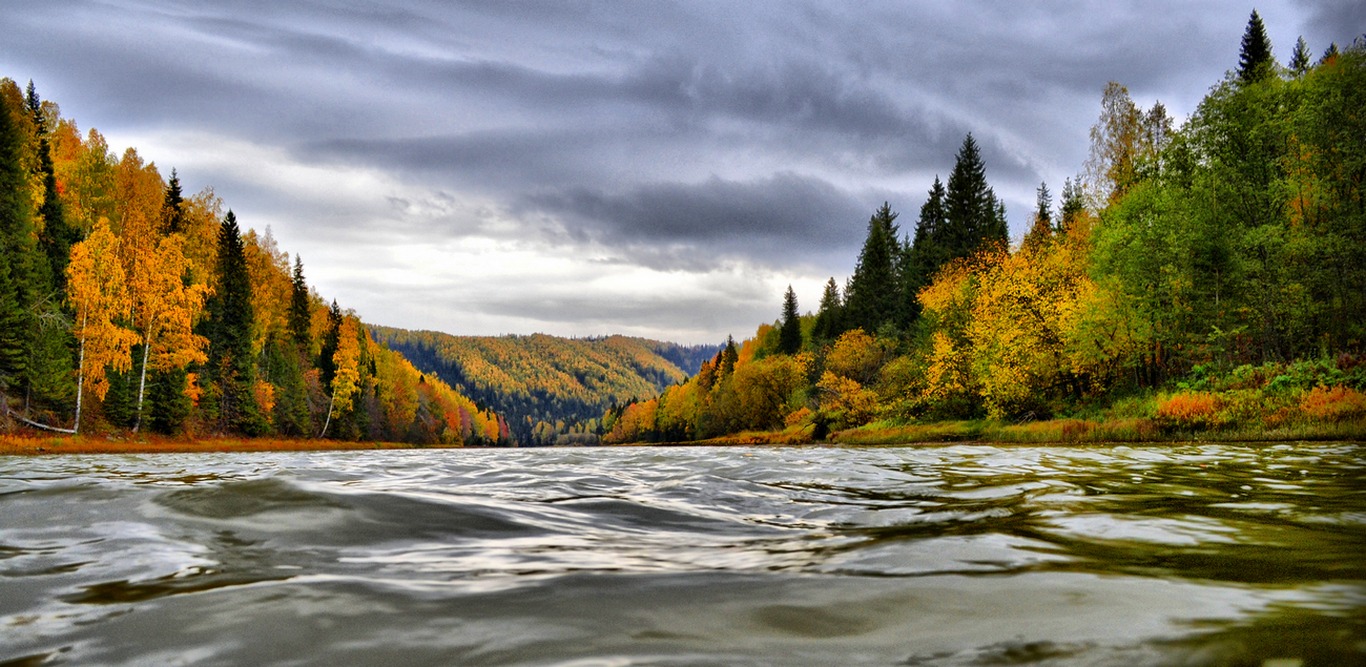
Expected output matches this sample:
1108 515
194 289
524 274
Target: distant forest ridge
552 390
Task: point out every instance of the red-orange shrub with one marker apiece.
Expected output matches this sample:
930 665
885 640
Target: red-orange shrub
1333 404
1188 410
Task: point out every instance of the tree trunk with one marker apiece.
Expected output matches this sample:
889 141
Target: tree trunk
80 375
142 383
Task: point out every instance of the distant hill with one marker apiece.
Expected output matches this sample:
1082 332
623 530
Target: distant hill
550 389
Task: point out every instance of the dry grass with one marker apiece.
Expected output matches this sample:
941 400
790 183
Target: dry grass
24 444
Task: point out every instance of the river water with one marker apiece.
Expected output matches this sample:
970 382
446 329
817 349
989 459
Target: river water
954 555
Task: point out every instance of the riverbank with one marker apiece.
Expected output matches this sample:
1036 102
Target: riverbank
1044 432
132 443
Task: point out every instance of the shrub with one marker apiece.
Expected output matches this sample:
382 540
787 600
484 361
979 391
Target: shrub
1188 411
1333 404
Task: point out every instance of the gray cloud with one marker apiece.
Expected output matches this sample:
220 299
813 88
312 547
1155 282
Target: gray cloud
696 138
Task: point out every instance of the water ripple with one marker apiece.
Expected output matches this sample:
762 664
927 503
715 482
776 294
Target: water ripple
963 554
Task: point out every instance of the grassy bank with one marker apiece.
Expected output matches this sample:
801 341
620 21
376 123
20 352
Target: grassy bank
1068 431
26 444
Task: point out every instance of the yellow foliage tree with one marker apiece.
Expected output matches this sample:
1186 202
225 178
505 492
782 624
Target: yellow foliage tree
346 379
98 292
166 314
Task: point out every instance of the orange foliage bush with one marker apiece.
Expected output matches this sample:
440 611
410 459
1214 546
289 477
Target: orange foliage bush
1188 410
1333 404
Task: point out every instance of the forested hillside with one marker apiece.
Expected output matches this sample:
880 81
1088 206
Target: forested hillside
552 390
1206 275
126 305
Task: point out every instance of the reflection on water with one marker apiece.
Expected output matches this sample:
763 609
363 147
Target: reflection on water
962 555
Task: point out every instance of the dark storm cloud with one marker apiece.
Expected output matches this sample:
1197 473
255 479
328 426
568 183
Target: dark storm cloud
691 136
785 218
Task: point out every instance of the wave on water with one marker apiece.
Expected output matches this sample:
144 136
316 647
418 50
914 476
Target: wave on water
959 555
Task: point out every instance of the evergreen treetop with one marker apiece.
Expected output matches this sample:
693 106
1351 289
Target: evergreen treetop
1254 58
1299 62
790 332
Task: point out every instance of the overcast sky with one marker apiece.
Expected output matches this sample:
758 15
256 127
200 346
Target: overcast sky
583 168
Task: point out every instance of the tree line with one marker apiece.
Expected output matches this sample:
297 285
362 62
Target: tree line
1233 243
125 304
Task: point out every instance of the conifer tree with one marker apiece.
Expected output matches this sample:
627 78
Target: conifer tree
926 252
1072 205
872 298
1299 61
230 366
57 235
173 210
1042 229
1329 54
830 315
973 216
1254 58
17 287
300 307
790 333
729 355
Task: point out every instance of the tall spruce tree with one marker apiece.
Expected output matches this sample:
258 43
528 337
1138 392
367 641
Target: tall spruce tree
790 332
173 209
300 307
1299 61
57 235
1254 58
231 365
17 252
1042 229
926 252
872 298
830 315
1073 203
973 215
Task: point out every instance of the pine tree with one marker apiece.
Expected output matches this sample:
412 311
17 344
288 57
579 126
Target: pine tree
230 366
926 251
331 339
169 404
17 254
1299 62
790 333
829 317
1329 54
1254 58
1042 229
728 357
1072 205
173 210
873 290
57 235
300 308
973 216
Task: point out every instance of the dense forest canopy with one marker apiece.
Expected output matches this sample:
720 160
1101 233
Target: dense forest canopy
126 304
1220 262
551 390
